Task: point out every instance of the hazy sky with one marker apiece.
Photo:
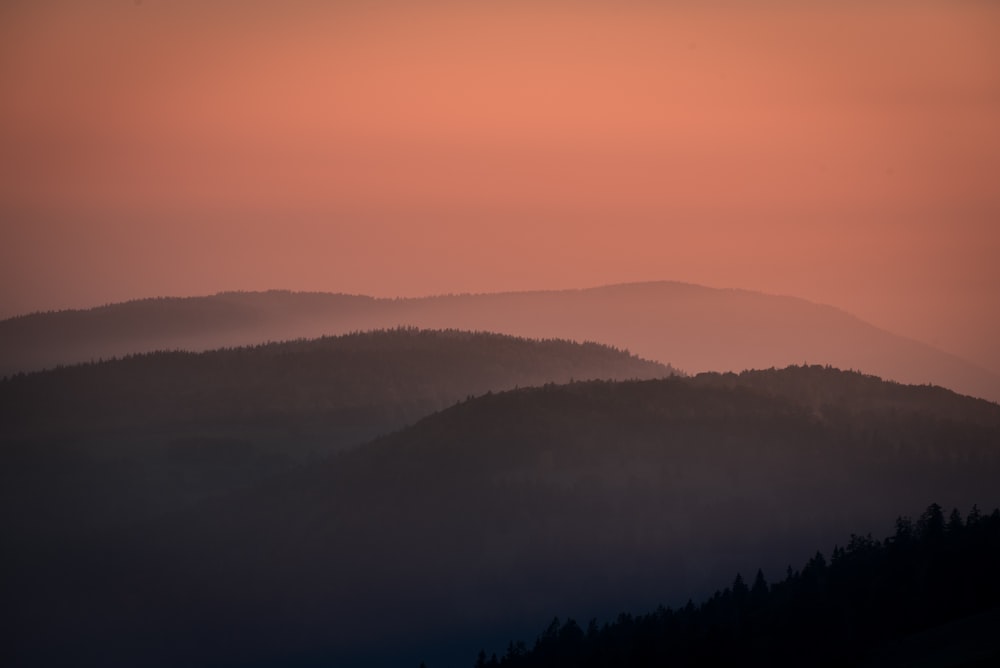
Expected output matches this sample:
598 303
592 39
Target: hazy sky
845 152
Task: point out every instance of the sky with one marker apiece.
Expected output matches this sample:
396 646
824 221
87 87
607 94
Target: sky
844 152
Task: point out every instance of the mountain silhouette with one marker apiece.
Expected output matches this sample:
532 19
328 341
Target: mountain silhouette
475 524
694 328
924 595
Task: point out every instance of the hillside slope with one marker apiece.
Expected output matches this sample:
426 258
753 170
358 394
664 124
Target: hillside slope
692 327
924 596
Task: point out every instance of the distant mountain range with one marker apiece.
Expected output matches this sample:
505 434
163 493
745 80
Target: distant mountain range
478 523
691 327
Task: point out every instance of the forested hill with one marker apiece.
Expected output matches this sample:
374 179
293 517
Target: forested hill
480 522
927 595
399 374
99 445
693 327
834 393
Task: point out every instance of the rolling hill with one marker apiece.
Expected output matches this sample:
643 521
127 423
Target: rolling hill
97 445
479 522
692 327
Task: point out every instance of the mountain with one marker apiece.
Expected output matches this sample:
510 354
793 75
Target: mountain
102 444
692 327
477 523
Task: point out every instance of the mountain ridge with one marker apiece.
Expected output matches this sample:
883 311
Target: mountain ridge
694 328
100 444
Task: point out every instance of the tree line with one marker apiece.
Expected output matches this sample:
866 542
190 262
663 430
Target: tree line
830 612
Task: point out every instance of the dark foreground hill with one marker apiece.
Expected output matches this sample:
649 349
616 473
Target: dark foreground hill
480 522
694 328
101 444
925 596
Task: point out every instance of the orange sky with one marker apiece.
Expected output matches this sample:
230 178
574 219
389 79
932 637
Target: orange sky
845 152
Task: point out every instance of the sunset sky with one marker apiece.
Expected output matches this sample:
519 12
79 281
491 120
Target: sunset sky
844 152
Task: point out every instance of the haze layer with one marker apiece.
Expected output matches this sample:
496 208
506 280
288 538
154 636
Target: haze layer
844 153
